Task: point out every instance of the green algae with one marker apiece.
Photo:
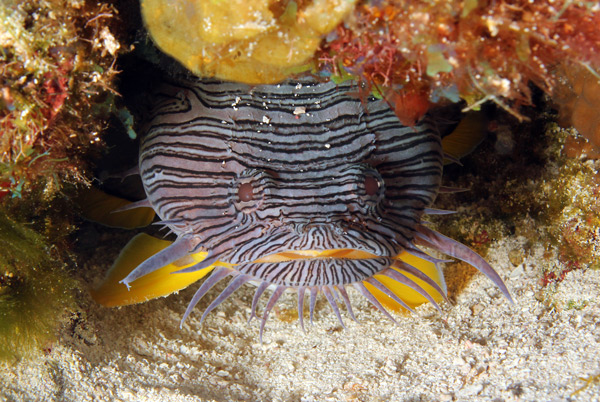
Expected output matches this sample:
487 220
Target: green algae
34 290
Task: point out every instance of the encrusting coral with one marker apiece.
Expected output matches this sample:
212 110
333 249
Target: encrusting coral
239 40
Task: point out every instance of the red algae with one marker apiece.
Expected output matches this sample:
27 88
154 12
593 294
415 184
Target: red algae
477 51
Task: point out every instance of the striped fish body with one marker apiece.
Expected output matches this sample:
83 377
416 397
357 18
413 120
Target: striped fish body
265 177
244 172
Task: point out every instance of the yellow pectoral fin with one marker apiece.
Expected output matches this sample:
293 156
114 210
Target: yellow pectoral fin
469 133
161 282
97 206
411 297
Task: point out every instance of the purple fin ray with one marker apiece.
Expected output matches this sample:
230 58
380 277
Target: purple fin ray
423 255
233 285
314 291
206 262
433 211
218 274
259 291
401 265
327 291
346 299
405 280
369 296
436 262
145 203
270 304
446 245
445 189
301 292
388 293
180 248
452 159
168 222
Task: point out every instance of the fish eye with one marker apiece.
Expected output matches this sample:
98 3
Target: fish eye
249 189
371 184
245 192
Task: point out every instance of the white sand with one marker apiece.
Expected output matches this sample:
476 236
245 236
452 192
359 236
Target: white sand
480 349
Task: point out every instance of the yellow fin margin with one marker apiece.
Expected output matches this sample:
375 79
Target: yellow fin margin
411 297
159 283
97 206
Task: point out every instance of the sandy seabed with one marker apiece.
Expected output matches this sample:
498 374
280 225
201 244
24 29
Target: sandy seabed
481 348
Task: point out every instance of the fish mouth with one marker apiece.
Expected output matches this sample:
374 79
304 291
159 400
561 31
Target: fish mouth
315 255
341 253
331 267
316 242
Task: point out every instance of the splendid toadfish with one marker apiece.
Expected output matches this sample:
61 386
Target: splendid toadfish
298 186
